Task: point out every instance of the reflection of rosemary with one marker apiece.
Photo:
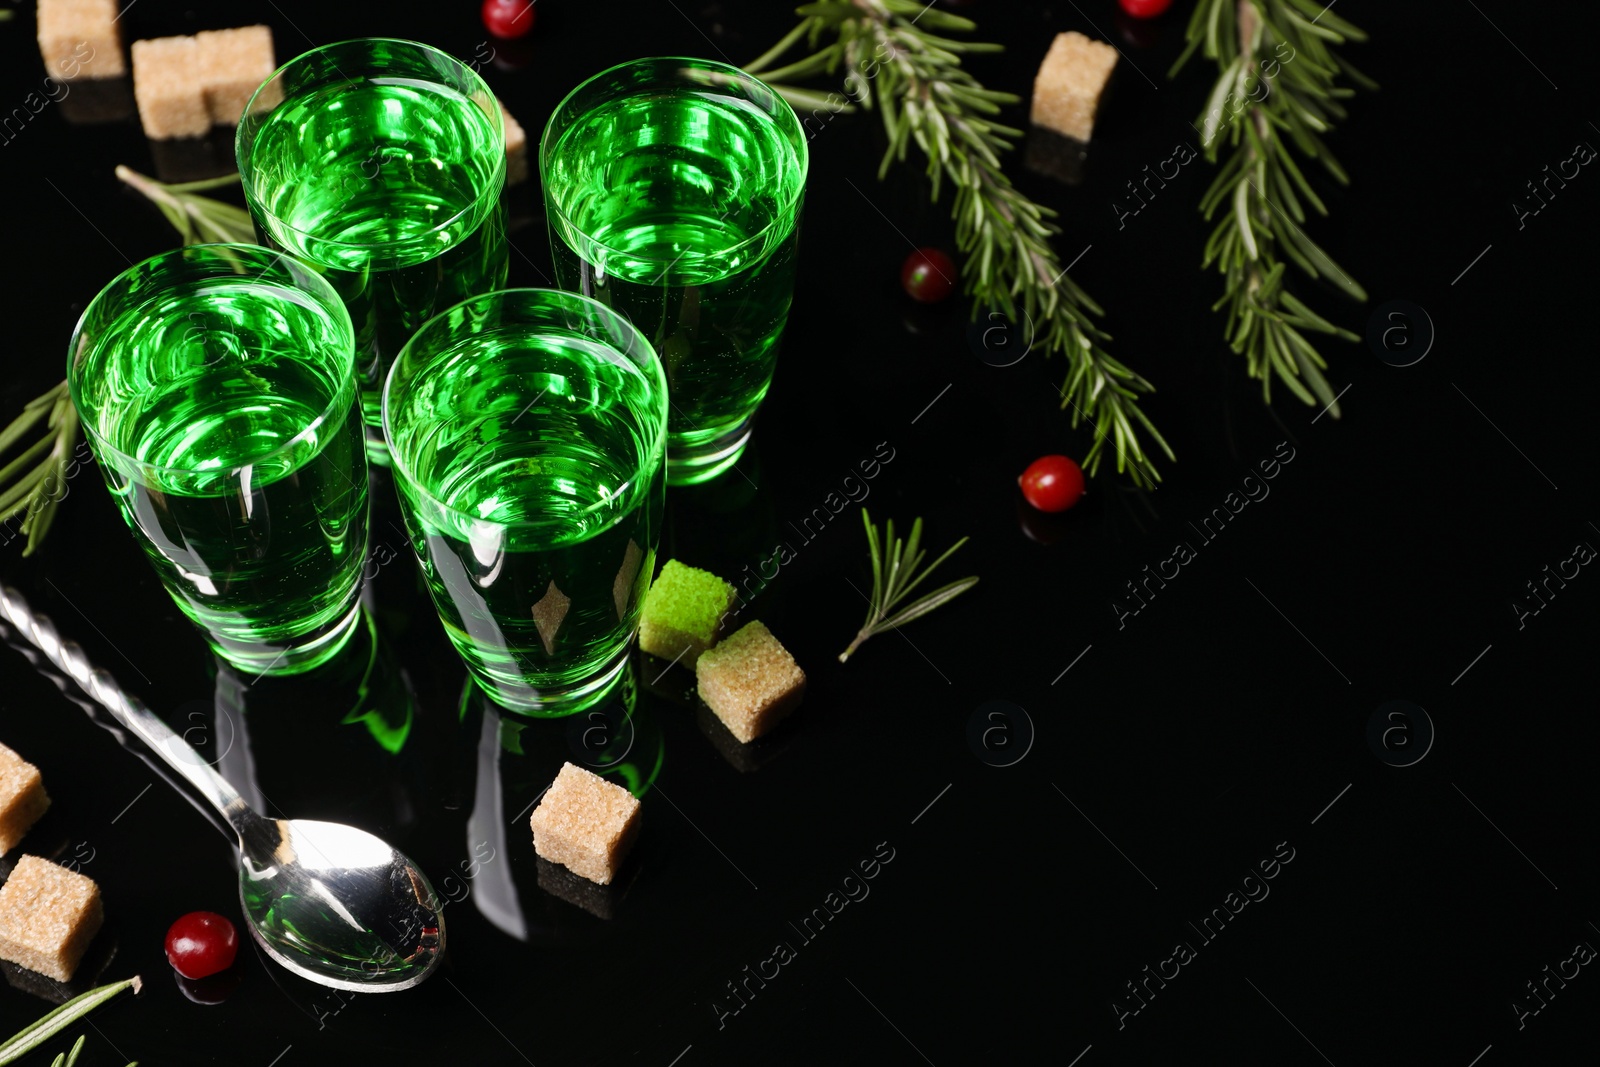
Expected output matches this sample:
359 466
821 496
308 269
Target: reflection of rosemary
895 575
896 59
34 495
1279 48
70 1057
31 1037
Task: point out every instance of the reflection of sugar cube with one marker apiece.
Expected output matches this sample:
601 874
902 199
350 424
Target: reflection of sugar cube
585 823
96 100
1070 82
233 64
48 916
682 613
22 798
548 615
750 681
79 39
622 585
166 83
598 900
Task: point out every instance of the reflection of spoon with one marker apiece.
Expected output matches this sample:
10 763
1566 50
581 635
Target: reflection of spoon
332 903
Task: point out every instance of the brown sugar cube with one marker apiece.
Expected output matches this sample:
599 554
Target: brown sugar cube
166 84
585 823
22 798
750 681
48 916
1070 82
80 39
233 64
516 149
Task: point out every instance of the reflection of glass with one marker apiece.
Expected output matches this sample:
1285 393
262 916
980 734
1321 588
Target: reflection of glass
214 384
382 161
382 701
527 429
493 889
314 929
673 190
332 744
617 738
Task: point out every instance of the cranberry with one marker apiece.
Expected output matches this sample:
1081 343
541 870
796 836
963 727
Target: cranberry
508 19
928 276
1052 483
202 943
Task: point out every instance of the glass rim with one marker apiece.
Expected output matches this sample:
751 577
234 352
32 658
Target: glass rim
328 299
243 149
802 151
658 441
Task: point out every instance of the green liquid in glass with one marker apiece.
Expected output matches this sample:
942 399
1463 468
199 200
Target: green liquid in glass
534 524
678 209
227 429
391 183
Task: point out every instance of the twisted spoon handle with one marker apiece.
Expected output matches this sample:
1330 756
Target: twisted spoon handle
72 661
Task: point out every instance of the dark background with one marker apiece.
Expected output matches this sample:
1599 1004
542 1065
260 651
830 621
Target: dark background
1177 752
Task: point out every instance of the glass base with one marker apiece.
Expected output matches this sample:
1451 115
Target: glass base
695 461
315 649
554 702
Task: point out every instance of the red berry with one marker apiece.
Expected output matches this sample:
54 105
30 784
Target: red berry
200 944
1052 483
508 19
1145 9
928 276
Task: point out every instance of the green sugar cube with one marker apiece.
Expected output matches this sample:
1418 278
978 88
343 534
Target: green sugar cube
683 612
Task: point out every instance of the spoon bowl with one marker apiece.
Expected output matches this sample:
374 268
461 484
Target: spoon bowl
337 905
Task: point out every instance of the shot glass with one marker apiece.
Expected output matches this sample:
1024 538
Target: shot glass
673 190
383 162
216 387
527 430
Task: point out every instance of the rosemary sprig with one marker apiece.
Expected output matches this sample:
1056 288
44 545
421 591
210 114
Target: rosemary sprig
895 575
47 1027
897 60
1285 48
35 494
198 219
